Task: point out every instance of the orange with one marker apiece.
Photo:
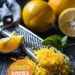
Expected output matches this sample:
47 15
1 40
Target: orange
67 22
60 5
38 16
9 44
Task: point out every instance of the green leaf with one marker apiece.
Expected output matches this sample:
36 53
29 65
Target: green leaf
54 40
64 41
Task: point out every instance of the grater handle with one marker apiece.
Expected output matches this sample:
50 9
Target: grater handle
30 53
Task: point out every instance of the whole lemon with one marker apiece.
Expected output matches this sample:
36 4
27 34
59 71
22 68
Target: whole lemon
38 16
60 5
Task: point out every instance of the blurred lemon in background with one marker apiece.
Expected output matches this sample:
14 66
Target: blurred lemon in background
60 5
38 16
67 22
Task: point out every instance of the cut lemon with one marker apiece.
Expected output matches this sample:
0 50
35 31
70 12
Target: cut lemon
10 43
67 22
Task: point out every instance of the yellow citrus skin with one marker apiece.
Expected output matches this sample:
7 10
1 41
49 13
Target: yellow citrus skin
11 43
38 16
60 5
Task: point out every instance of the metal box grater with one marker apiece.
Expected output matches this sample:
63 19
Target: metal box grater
31 41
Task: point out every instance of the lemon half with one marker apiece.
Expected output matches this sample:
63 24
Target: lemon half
67 22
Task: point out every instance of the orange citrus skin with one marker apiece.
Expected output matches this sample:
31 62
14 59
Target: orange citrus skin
60 5
38 16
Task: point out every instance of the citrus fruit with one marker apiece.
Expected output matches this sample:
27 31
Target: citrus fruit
60 5
20 67
38 16
9 44
67 22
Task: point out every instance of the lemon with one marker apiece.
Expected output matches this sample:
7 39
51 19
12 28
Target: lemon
60 5
38 16
67 22
9 44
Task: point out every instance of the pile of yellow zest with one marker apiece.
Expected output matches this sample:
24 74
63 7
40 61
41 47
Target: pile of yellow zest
49 57
50 62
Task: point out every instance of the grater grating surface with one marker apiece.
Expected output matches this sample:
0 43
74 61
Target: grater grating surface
30 39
